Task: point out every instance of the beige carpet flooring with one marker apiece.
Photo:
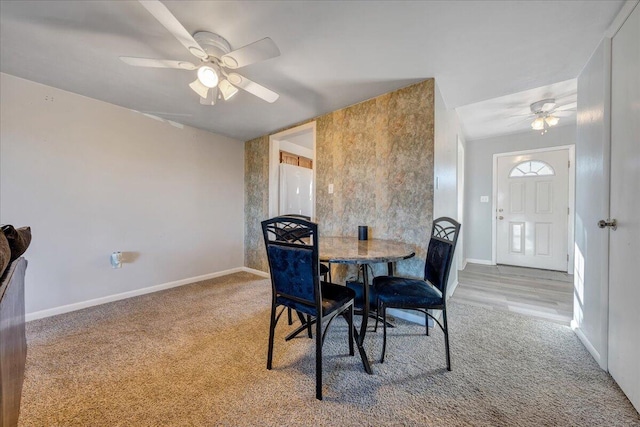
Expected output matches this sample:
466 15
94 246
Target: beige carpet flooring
196 355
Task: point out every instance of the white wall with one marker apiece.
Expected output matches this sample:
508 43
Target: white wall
445 162
91 178
479 181
590 317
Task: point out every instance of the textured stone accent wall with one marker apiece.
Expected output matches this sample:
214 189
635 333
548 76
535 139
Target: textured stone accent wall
379 156
256 200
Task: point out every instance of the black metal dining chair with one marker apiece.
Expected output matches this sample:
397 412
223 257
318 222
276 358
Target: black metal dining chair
427 294
325 271
292 252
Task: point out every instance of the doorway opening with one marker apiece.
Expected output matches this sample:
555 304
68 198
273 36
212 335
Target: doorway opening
292 171
533 213
533 208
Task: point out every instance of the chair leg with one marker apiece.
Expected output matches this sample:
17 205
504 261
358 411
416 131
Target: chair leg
426 322
272 327
384 331
319 357
309 326
289 315
446 337
375 327
350 324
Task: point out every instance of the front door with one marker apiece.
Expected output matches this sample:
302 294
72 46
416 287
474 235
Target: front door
624 242
532 209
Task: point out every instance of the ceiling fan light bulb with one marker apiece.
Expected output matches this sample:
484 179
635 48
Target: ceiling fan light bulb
538 124
552 120
208 76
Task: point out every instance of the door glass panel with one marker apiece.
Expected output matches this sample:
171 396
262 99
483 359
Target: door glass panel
516 230
531 168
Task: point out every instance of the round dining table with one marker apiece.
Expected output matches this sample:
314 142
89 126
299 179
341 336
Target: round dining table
350 250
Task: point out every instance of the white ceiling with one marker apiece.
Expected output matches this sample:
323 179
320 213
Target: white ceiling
334 54
512 113
303 139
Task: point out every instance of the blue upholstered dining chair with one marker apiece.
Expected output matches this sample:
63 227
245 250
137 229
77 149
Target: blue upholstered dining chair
325 270
427 294
292 251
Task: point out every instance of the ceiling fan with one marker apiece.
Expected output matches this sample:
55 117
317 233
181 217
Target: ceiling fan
214 79
547 113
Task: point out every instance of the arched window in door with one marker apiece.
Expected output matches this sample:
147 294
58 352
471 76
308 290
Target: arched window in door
531 168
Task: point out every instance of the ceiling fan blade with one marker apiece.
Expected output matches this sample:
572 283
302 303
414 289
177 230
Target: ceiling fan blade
253 87
563 113
199 88
251 53
211 97
157 63
166 18
518 122
571 106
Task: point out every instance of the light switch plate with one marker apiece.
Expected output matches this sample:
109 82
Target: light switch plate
330 188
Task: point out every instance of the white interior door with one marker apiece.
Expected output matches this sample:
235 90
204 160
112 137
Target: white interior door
532 210
624 243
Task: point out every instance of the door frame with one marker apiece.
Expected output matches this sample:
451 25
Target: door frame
274 162
572 195
460 164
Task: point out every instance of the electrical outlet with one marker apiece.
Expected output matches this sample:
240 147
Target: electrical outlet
484 199
330 188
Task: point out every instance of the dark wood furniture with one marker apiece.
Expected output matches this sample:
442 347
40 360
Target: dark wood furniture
13 342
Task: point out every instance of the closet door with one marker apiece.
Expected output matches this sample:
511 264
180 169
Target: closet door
624 242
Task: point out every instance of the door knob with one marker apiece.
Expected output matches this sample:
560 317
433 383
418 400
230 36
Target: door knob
608 223
500 217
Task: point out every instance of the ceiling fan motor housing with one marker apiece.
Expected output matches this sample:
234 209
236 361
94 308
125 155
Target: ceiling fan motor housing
544 106
213 44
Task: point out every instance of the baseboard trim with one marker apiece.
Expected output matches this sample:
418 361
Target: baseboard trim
480 261
452 288
256 272
585 341
124 295
406 315
414 316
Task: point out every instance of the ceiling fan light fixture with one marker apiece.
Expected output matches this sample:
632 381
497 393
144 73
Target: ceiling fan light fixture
227 89
538 124
551 120
208 76
199 88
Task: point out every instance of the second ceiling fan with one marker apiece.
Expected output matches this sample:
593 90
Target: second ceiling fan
213 81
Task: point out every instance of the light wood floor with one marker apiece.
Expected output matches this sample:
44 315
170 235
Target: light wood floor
541 294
